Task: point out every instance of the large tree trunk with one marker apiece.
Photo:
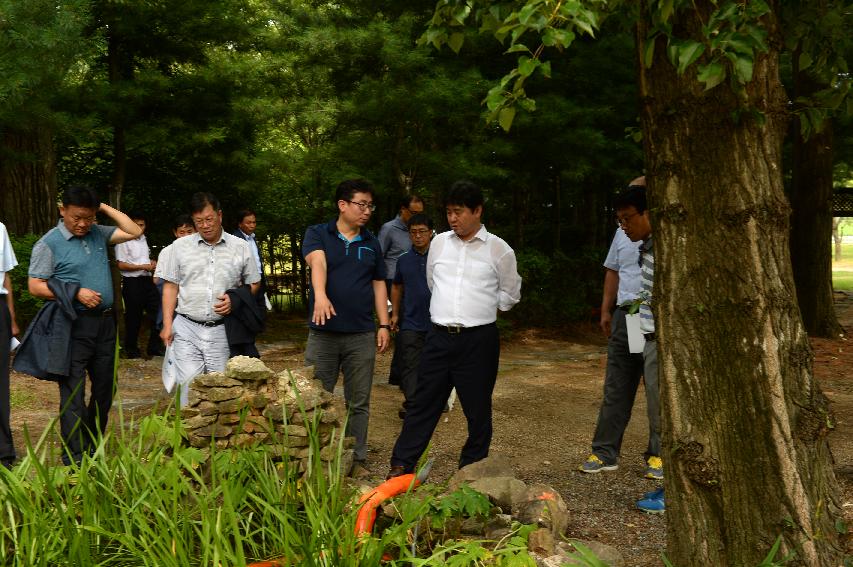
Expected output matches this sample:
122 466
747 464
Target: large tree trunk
811 220
27 180
744 424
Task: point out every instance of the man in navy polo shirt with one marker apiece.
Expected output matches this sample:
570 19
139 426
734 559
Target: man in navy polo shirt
75 252
347 286
410 297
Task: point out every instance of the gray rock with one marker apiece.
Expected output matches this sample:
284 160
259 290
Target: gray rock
199 421
544 507
473 526
215 380
541 541
492 466
247 368
606 553
497 526
223 394
503 491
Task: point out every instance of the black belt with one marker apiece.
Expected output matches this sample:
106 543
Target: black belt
625 308
457 329
649 336
96 313
203 323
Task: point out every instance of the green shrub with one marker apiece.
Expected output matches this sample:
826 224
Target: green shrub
26 306
557 288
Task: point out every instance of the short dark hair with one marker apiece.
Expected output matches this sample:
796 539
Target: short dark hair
346 189
81 196
136 214
407 201
243 213
202 199
464 193
633 196
182 220
421 219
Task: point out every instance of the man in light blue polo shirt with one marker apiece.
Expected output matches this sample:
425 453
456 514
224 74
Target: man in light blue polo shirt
624 369
347 287
75 252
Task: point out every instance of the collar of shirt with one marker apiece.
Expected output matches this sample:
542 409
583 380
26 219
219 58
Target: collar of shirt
415 250
66 234
199 239
246 236
398 223
363 233
481 234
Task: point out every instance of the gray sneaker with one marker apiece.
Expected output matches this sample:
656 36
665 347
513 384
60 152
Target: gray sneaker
594 465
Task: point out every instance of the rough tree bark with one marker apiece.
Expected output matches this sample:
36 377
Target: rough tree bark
744 423
811 221
27 180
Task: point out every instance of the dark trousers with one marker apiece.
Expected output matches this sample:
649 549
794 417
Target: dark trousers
410 344
621 380
467 361
93 351
141 298
7 446
396 375
244 349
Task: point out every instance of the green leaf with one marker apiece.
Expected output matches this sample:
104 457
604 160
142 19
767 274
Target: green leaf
743 69
712 74
688 53
805 61
666 9
506 116
545 69
527 65
517 47
455 41
649 51
526 12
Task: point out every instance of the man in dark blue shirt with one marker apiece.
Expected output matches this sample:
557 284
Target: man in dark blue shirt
410 298
347 286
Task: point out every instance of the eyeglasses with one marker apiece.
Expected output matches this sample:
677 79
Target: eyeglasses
84 220
419 231
205 222
364 205
624 220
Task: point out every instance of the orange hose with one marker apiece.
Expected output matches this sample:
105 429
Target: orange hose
370 501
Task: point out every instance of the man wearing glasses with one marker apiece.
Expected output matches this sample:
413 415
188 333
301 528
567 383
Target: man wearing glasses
410 297
196 271
347 286
70 267
622 286
394 239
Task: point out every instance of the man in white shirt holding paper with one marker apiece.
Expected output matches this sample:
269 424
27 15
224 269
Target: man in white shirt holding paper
8 329
472 274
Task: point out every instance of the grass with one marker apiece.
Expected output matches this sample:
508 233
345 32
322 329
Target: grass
146 498
842 270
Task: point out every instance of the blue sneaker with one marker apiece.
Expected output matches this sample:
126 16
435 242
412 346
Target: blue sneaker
595 465
653 503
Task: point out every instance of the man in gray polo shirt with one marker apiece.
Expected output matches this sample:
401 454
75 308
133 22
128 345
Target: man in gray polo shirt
75 252
197 270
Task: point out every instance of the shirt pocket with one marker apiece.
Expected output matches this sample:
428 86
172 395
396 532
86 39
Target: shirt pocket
366 254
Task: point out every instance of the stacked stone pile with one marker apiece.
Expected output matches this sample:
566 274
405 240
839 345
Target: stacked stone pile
249 404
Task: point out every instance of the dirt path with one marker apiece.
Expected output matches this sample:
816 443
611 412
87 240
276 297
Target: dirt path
545 407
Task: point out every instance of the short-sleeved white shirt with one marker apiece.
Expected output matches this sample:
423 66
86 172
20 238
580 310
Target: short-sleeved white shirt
7 256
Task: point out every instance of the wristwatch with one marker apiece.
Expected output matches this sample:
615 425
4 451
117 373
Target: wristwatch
385 327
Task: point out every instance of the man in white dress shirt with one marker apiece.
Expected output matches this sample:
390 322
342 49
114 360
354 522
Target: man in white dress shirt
138 291
8 329
471 273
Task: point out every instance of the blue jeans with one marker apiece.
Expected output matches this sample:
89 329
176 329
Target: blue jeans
355 354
